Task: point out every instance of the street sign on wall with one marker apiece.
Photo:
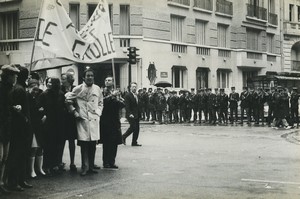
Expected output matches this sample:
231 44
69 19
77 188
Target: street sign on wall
164 74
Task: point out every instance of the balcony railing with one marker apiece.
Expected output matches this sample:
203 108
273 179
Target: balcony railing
124 42
273 19
224 53
9 45
203 4
224 6
296 65
179 48
271 58
183 2
202 51
255 11
252 55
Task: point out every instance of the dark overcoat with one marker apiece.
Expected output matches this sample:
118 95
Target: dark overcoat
110 125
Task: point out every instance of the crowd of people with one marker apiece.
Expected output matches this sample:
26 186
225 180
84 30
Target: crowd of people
35 125
204 106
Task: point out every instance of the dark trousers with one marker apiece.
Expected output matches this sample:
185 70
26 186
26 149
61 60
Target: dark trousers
243 109
201 110
212 115
182 114
195 111
174 113
17 161
109 153
259 113
134 128
233 111
294 115
270 114
224 114
88 150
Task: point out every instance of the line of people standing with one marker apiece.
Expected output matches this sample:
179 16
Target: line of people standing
35 124
215 107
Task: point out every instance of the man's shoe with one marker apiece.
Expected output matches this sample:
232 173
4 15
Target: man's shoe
114 166
15 188
109 166
3 190
92 171
73 168
25 185
136 144
96 167
83 173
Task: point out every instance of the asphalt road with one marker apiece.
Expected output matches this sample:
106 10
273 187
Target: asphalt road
187 161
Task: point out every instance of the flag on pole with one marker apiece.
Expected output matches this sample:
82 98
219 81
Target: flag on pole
57 37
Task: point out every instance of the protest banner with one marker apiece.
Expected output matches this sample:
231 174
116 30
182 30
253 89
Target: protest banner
57 37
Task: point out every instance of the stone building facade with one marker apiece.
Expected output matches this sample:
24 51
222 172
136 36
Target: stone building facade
190 43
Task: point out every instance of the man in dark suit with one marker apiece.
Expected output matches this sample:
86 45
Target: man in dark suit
110 125
132 115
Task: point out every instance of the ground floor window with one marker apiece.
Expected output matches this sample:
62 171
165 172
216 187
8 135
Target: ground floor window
223 78
178 73
202 78
247 75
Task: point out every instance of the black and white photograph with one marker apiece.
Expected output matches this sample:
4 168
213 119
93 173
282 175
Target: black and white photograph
149 99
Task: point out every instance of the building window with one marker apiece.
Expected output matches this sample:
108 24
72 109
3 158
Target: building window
291 12
270 38
91 9
9 25
223 78
203 4
124 20
298 13
252 39
247 75
177 28
202 77
271 6
111 14
74 13
9 29
222 35
178 73
200 32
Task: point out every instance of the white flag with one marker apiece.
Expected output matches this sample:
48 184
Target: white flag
57 37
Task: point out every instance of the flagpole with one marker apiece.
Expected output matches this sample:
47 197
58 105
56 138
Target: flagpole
35 34
114 72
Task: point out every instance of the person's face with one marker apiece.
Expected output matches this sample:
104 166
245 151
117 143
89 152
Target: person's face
49 84
12 79
233 90
64 80
89 78
109 82
133 88
34 89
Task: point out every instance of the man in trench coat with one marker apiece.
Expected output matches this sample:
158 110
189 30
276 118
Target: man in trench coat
89 99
